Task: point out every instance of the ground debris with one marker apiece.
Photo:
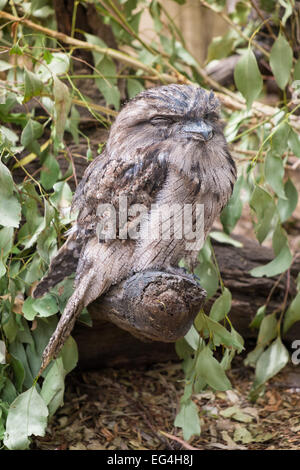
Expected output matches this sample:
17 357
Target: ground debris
118 409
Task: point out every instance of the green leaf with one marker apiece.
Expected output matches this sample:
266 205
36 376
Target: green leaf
293 313
221 306
108 86
233 210
281 61
33 86
72 124
288 6
221 46
263 205
62 101
97 56
274 173
280 138
211 371
69 354
6 181
134 87
219 333
10 208
42 12
256 322
294 143
267 330
19 373
10 211
206 270
16 49
192 338
287 206
50 172
31 132
59 65
297 70
17 350
28 310
27 416
45 306
41 335
183 350
270 363
283 258
247 77
224 238
6 241
2 4
188 420
54 387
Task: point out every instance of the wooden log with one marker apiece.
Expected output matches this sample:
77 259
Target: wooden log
152 305
105 344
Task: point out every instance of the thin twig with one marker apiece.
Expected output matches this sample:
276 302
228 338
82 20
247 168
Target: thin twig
258 11
184 444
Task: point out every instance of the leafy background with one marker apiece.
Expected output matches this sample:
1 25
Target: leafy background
40 100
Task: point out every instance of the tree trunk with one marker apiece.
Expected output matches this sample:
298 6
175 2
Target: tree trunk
106 345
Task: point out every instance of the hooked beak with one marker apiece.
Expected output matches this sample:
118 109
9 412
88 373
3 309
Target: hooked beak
199 130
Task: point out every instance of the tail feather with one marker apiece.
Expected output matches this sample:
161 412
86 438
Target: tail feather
62 265
86 290
99 267
63 330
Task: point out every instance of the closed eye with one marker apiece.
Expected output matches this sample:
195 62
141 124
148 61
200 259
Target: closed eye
161 120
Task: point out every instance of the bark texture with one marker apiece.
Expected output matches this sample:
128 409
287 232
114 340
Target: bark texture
105 344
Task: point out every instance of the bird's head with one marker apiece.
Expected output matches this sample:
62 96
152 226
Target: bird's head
176 118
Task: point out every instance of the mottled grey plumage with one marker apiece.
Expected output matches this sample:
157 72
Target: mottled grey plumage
166 146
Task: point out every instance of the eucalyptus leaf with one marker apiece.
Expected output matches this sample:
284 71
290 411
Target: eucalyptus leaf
54 386
45 306
59 65
277 266
297 70
293 313
281 60
206 270
33 86
50 172
256 322
211 371
134 87
274 173
233 210
69 354
27 416
263 204
247 77
294 143
10 208
62 100
280 138
188 420
270 363
221 306
31 132
2 4
287 205
224 238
